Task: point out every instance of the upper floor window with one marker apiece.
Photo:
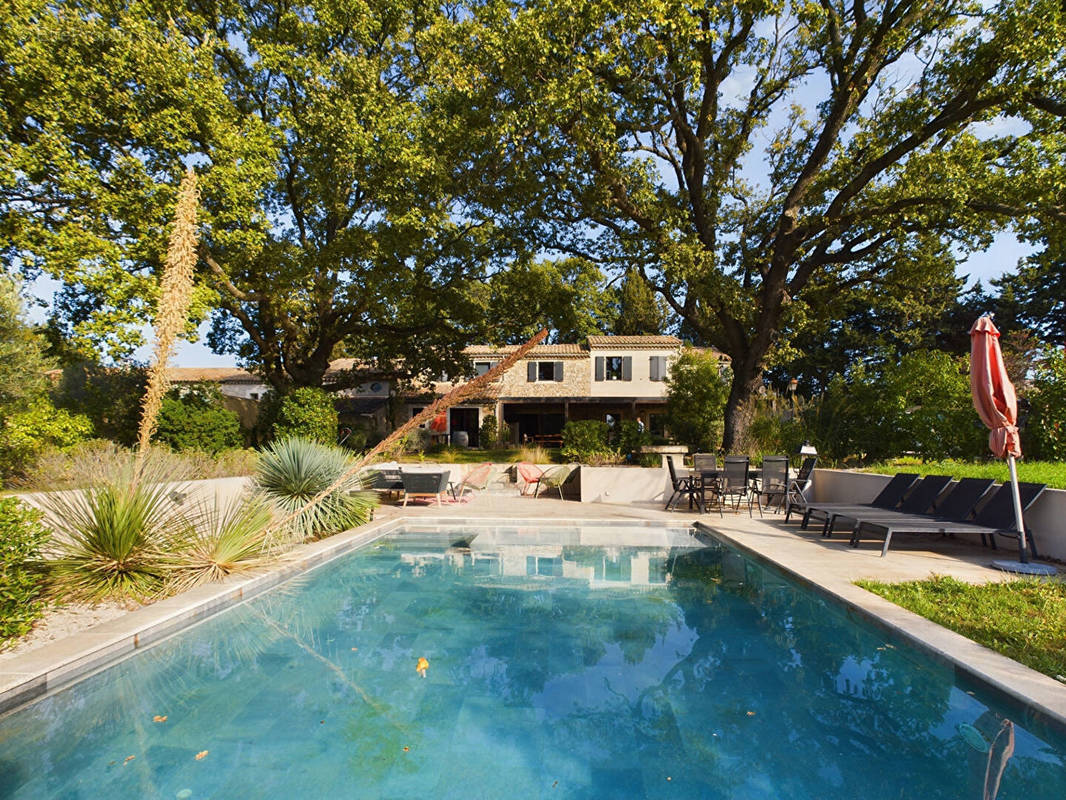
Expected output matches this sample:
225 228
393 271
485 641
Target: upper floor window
657 368
481 367
544 371
614 368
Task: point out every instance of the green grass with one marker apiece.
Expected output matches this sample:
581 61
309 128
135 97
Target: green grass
476 455
1053 473
1023 619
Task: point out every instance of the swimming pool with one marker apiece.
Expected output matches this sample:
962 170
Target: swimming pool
591 662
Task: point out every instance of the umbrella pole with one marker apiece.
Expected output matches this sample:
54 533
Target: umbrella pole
1023 551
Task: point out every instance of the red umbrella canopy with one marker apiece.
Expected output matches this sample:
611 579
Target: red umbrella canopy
440 422
993 393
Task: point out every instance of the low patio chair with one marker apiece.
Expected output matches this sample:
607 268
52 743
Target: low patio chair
554 478
425 484
385 478
774 482
528 476
475 480
796 496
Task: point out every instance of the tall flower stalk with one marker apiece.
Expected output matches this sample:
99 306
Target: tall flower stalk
175 292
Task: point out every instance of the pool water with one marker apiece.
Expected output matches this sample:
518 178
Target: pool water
562 663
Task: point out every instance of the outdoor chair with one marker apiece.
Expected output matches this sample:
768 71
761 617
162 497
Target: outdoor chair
385 478
528 476
425 484
475 480
995 517
680 486
704 462
732 482
554 478
774 481
888 498
919 500
799 486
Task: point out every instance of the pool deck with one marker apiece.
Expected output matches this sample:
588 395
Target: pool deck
827 565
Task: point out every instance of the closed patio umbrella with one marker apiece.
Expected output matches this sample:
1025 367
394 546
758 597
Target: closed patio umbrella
440 422
997 405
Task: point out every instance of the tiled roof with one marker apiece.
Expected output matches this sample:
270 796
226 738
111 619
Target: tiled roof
656 342
212 375
540 351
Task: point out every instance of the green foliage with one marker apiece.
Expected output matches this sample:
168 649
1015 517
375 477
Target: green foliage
696 394
22 364
489 431
226 540
193 418
568 297
292 471
116 537
630 436
109 396
640 311
21 540
919 404
1052 473
1046 429
1023 619
306 412
26 434
584 440
778 426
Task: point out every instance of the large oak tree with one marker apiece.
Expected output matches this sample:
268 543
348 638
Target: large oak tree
755 157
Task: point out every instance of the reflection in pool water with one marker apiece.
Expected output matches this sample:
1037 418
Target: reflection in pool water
563 663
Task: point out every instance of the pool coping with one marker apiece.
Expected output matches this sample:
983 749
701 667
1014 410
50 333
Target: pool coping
1038 699
30 676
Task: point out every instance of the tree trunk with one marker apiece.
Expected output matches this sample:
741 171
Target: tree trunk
747 377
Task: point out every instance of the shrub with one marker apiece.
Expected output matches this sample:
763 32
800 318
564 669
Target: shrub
21 540
194 419
110 397
490 431
630 437
292 471
584 439
116 537
1046 429
696 392
306 413
26 434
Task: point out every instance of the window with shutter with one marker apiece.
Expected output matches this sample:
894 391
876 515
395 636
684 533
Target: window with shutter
531 371
600 373
558 371
627 368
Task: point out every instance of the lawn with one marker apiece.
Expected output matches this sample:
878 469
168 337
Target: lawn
1053 473
1023 619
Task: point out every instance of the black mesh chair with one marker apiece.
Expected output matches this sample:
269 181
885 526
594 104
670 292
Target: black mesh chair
732 483
681 486
774 483
796 496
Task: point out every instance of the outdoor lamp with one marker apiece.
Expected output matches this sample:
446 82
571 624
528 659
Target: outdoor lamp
808 449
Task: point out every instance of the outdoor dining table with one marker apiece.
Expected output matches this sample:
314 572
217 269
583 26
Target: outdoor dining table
698 476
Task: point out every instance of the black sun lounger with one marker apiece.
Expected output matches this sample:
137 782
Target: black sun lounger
921 499
889 498
996 517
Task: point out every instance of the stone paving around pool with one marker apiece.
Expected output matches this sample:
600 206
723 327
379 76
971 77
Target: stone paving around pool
829 565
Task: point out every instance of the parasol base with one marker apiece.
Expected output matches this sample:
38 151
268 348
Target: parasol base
1025 568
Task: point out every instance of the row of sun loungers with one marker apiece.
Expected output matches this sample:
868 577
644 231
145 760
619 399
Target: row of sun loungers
930 505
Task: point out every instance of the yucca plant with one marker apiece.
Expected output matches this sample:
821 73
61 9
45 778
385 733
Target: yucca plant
293 471
112 539
228 539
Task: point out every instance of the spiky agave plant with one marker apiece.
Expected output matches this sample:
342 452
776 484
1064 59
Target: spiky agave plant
230 538
112 539
293 471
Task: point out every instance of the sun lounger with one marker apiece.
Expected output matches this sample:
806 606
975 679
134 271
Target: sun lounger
995 517
889 498
920 499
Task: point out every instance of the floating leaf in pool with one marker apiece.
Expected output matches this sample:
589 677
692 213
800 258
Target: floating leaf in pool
159 718
128 760
406 748
201 755
422 666
183 794
972 737
751 713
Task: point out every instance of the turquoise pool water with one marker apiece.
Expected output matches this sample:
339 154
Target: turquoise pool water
564 663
